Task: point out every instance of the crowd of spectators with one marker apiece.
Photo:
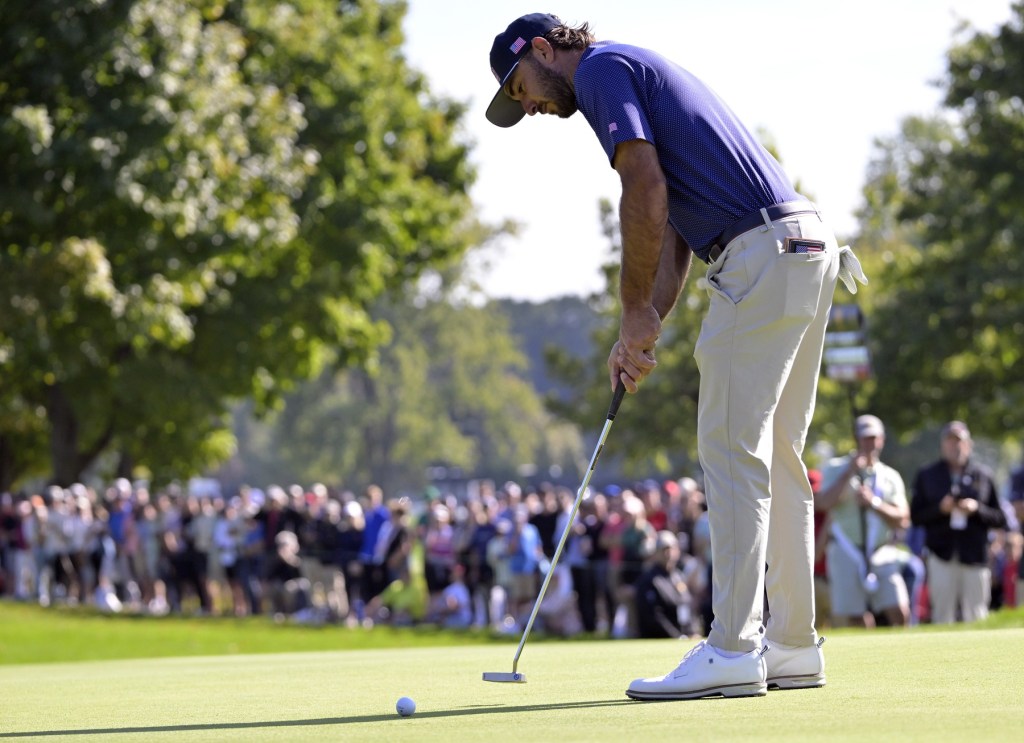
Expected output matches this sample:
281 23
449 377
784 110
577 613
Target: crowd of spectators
637 562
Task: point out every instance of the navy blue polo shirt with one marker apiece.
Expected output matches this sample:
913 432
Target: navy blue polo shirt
716 170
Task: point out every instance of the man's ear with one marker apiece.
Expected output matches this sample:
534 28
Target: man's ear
543 50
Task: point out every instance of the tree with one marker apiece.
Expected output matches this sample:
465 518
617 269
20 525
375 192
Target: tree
449 392
948 194
201 200
645 441
567 323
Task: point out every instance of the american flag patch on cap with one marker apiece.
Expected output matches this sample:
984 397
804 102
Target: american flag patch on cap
517 45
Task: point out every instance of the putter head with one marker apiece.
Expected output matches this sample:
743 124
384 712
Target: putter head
506 678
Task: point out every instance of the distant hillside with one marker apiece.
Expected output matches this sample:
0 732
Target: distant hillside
566 322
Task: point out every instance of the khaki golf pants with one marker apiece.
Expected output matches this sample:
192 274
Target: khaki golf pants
759 354
953 585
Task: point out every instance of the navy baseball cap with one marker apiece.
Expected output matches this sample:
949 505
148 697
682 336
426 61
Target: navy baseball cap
508 50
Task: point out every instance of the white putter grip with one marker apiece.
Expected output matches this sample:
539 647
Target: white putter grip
613 409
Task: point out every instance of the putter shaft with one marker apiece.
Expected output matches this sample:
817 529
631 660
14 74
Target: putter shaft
620 391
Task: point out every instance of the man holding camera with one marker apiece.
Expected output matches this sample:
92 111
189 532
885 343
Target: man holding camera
955 501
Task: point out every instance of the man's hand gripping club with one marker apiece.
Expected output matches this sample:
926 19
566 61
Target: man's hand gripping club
632 356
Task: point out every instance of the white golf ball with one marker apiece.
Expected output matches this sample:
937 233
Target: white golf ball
405 706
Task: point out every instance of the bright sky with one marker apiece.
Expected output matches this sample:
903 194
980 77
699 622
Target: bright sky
823 79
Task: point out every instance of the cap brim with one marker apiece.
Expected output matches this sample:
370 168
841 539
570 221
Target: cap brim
504 111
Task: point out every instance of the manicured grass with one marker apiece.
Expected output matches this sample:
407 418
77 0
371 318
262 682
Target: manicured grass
882 686
30 634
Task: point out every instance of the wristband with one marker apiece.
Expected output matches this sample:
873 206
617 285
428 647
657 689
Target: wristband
876 502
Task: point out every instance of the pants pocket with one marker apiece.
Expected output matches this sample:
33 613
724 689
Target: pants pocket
800 279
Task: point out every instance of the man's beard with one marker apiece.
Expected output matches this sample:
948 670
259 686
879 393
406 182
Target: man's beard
556 89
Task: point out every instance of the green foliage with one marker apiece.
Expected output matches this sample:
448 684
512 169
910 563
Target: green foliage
200 202
448 391
655 428
564 325
946 197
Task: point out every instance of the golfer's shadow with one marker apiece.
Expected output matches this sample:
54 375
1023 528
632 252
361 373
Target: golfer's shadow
479 709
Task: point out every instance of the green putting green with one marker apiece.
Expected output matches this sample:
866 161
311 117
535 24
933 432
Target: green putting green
884 685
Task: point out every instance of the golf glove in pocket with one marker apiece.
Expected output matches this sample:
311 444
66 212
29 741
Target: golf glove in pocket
850 269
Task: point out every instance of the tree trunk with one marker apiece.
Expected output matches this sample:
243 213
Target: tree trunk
8 466
63 437
70 457
125 465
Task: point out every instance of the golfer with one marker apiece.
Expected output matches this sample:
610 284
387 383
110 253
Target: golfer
695 181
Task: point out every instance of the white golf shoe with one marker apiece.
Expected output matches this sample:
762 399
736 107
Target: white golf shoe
792 667
704 672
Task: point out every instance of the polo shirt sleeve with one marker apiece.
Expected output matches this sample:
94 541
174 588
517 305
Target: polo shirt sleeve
611 94
898 495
